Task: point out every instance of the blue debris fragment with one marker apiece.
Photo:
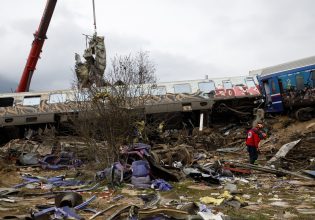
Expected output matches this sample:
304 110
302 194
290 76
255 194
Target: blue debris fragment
55 181
161 185
86 203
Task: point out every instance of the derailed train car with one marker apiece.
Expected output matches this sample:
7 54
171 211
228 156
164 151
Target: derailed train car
186 98
217 99
289 87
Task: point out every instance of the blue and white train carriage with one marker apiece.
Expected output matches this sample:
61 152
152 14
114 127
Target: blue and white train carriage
289 87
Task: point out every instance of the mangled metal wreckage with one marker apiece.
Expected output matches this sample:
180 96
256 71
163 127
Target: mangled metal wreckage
91 71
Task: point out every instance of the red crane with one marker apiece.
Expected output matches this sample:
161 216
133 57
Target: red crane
37 45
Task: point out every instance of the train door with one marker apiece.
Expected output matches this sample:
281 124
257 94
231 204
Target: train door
266 88
273 95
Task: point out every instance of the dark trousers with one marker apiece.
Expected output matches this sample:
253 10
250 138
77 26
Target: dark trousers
253 154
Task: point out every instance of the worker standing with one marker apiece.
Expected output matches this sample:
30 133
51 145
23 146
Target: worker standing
254 136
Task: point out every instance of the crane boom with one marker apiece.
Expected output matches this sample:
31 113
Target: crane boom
37 45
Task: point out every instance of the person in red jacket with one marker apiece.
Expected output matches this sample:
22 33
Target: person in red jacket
254 136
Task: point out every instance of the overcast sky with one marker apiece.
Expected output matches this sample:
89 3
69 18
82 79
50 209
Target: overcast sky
187 39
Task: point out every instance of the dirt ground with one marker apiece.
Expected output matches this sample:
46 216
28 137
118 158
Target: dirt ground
266 196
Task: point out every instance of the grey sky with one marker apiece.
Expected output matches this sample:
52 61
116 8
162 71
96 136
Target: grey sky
187 39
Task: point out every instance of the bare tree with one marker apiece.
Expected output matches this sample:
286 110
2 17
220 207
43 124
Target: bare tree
132 70
145 68
113 113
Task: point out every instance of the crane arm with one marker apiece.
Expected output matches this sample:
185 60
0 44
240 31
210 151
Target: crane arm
37 45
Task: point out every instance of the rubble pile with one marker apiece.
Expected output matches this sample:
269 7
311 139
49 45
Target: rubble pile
302 155
202 176
285 131
59 152
209 138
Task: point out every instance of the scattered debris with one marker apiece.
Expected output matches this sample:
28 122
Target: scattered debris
310 172
232 188
306 211
161 185
279 172
280 204
208 167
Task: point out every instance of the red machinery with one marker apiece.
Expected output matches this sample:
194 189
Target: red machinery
37 45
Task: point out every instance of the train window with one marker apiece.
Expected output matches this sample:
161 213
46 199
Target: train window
135 92
182 88
6 102
250 83
206 86
227 84
57 98
299 82
8 120
313 76
159 90
81 96
31 100
31 119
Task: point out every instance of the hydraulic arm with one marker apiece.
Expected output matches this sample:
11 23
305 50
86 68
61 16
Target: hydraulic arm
37 45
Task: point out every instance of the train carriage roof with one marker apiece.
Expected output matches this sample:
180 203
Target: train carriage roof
283 67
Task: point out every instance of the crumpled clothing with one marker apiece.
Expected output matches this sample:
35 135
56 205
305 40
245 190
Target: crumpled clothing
161 185
225 196
211 200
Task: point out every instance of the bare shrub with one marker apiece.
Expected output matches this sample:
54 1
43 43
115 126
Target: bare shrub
111 114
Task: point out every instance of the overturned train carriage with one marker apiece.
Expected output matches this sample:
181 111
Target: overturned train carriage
236 95
218 99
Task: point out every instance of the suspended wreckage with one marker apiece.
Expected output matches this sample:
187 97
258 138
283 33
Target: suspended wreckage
91 71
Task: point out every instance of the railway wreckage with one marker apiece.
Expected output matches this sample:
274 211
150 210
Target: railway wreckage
289 88
91 71
238 95
175 178
100 178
